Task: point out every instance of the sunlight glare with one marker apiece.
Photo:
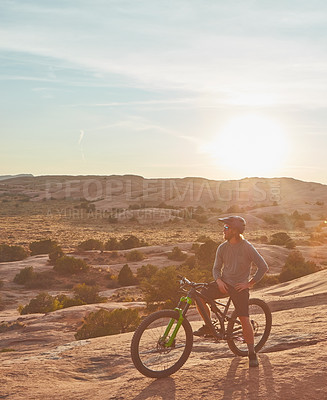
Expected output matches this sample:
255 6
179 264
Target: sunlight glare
250 145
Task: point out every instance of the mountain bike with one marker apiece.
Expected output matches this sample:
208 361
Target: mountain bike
163 341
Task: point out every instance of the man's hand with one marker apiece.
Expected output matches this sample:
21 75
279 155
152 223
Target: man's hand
222 286
242 286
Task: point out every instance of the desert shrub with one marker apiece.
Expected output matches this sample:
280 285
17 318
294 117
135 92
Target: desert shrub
42 246
177 255
2 304
290 244
88 294
263 239
280 238
206 253
103 323
42 303
55 253
34 280
10 326
145 272
112 244
296 266
268 280
203 238
113 283
12 253
126 277
135 255
24 275
67 265
161 290
66 301
190 262
131 242
91 244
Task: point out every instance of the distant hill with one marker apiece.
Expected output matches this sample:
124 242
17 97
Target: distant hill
274 195
4 177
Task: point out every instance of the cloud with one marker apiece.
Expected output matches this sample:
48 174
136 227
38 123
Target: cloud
200 49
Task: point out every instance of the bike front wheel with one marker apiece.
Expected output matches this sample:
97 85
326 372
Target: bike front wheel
153 352
261 320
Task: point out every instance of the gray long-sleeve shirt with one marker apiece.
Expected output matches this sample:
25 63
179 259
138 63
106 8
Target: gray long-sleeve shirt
233 263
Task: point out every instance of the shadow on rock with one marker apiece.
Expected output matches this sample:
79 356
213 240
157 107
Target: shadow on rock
249 383
164 389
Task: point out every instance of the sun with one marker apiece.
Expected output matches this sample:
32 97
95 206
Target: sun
250 145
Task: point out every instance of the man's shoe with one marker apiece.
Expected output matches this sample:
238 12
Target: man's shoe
203 331
253 360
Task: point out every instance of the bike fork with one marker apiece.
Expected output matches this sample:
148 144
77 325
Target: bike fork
182 313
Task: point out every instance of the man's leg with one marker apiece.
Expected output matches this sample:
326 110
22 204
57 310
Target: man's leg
206 309
211 292
249 339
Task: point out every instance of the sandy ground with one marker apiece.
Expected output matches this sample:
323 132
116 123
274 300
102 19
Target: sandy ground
47 362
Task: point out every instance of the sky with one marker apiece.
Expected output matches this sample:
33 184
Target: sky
169 88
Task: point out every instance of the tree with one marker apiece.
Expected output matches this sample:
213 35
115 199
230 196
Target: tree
296 266
205 255
126 277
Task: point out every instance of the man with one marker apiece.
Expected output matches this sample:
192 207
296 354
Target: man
231 272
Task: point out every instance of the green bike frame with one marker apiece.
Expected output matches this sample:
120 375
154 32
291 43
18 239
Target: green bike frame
182 313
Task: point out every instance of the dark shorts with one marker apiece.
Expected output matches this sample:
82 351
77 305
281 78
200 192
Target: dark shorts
239 299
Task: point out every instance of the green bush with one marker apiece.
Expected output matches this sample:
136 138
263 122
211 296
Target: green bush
203 238
103 323
296 266
126 277
145 272
135 255
112 244
55 253
280 239
91 244
161 290
88 294
34 280
12 253
42 246
67 265
24 275
206 253
177 255
42 303
131 242
66 301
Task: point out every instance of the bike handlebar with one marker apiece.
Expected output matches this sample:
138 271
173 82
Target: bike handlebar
185 281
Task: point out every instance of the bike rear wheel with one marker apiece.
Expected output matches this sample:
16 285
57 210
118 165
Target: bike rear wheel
149 350
261 320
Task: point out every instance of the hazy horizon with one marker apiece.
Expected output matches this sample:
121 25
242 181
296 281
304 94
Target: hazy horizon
172 89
